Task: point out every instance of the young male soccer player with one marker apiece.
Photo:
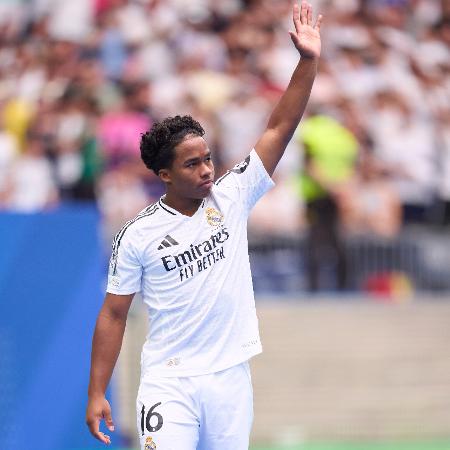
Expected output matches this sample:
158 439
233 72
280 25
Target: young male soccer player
187 254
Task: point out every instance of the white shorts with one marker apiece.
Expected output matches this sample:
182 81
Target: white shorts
205 412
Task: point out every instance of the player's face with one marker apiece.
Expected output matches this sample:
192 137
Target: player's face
192 171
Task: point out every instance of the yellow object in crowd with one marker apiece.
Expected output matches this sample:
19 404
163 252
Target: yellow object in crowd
332 147
17 115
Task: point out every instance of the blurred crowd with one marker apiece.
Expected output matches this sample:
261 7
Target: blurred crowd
81 80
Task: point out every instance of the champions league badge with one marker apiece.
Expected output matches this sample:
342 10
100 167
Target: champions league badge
214 217
149 444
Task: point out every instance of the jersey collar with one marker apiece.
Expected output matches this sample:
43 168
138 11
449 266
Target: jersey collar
174 212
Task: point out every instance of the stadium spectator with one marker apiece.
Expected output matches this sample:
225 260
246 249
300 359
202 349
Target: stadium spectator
119 129
29 185
404 139
384 73
9 151
330 153
121 195
368 203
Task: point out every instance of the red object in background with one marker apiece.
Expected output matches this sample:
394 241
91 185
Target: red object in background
388 286
100 6
378 284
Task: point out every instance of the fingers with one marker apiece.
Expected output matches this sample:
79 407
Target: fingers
93 425
296 17
304 13
103 438
108 421
309 14
318 22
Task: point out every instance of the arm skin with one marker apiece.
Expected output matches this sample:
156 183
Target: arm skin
289 110
106 345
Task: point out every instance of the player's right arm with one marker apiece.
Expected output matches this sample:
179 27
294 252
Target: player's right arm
106 345
287 113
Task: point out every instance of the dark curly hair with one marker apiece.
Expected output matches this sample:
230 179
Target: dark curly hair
157 145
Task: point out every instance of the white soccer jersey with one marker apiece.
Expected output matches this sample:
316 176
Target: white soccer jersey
194 276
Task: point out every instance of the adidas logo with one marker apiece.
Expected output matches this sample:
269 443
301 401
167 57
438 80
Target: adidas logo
167 242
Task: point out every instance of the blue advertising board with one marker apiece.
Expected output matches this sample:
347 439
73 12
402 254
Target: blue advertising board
52 271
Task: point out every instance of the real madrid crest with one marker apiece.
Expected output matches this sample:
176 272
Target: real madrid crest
149 444
214 217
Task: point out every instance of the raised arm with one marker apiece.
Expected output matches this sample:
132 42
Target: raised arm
289 110
106 346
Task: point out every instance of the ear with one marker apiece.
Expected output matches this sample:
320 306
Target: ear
164 175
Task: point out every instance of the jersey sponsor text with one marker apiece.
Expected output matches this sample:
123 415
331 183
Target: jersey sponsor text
199 257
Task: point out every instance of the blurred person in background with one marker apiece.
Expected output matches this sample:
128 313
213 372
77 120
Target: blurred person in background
444 175
29 183
203 322
404 140
368 203
119 128
9 152
330 152
70 130
121 192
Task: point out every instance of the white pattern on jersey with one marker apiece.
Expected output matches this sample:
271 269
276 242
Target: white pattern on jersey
194 275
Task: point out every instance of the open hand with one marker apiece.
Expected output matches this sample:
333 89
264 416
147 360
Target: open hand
306 37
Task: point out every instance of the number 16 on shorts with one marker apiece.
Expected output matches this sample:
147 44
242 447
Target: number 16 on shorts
151 420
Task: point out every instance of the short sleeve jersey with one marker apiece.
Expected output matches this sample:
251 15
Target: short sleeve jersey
194 277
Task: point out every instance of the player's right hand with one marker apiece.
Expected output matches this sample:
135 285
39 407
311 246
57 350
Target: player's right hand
99 409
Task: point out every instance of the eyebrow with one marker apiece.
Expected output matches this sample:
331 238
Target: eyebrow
188 161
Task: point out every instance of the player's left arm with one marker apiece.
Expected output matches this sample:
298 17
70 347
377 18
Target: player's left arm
289 110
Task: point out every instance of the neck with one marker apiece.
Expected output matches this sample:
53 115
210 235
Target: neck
185 206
